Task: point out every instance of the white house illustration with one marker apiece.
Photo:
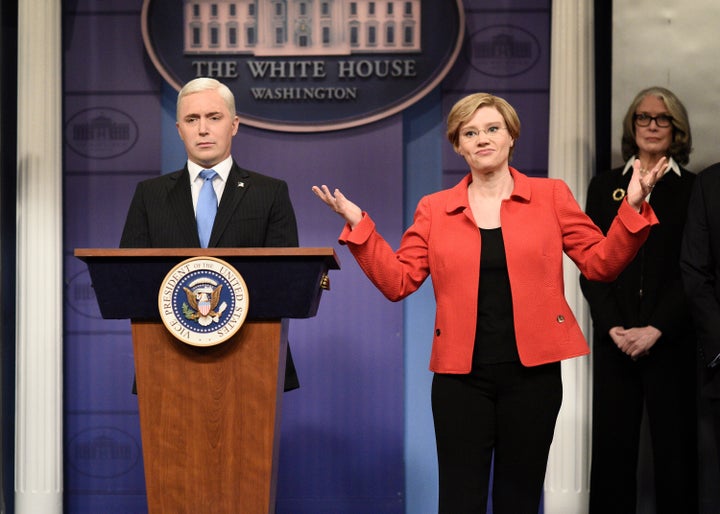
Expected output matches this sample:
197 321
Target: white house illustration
301 27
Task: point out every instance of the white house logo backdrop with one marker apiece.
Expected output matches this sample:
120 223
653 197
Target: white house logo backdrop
307 65
203 301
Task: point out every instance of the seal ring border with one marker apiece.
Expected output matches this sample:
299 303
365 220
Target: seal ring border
239 304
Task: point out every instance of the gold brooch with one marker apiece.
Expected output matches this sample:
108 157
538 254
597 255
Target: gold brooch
618 194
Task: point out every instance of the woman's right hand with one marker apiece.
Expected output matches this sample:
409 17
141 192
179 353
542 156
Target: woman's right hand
338 203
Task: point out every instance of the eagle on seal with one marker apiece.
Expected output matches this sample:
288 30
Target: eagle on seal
203 301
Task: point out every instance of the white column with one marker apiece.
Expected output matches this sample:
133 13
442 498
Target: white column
38 427
572 142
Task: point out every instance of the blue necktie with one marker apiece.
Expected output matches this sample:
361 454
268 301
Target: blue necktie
206 207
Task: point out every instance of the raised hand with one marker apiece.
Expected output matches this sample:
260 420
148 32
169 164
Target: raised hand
338 203
643 181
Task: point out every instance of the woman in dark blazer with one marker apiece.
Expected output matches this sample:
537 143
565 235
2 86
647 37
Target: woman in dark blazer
643 343
494 246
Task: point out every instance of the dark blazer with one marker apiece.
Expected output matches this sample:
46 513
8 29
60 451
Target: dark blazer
254 211
700 264
649 291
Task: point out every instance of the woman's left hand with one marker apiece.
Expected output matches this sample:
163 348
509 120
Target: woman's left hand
643 181
639 340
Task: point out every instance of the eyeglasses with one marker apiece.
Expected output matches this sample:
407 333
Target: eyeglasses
661 120
473 133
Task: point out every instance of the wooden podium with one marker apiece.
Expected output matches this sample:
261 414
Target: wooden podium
209 416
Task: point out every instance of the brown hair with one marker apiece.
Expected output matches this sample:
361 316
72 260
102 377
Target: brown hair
681 143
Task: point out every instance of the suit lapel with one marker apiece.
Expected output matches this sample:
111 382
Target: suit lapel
237 185
180 200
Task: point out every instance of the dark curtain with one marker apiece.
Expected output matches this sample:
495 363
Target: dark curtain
8 154
603 83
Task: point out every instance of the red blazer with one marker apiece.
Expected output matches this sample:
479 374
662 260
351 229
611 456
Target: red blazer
540 221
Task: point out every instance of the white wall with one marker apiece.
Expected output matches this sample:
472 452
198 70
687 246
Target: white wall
675 45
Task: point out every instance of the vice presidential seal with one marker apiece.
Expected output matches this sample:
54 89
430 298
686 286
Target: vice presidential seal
203 301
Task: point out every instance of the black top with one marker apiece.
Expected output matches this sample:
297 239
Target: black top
495 333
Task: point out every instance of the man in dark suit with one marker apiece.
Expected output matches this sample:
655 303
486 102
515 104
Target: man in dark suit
253 210
700 265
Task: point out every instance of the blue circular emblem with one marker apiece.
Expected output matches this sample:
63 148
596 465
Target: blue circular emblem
203 301
503 51
101 133
308 66
103 452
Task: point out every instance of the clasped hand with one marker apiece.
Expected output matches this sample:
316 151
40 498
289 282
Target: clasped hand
635 342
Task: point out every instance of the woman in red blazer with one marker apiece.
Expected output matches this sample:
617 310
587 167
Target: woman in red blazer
494 246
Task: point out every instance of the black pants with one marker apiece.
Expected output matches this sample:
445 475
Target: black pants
501 415
664 382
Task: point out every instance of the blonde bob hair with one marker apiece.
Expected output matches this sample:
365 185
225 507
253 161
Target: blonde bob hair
466 108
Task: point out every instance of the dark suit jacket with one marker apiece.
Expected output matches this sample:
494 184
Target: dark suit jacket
649 291
254 211
700 264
